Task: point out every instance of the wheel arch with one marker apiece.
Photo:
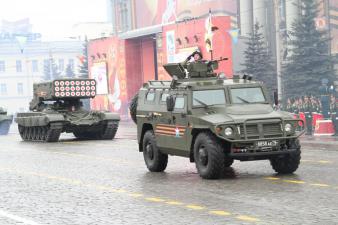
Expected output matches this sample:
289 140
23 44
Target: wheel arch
145 128
194 134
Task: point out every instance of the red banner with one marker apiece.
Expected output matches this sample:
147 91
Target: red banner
110 52
150 12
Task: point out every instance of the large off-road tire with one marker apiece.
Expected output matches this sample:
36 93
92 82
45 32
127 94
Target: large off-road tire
209 156
228 162
289 163
4 127
155 160
133 108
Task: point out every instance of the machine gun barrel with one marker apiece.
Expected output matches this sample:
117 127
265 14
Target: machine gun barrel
222 59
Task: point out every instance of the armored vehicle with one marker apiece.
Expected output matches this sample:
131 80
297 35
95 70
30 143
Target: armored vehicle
5 121
56 107
212 121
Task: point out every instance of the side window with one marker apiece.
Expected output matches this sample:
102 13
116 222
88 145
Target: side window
164 97
179 103
150 96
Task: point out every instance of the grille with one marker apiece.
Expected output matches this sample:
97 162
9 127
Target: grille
269 130
251 131
272 129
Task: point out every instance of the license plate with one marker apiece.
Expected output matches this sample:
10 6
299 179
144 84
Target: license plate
272 143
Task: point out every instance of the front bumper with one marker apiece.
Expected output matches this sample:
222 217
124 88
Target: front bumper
259 152
252 130
251 151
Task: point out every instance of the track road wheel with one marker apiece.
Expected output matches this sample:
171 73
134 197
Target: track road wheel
22 131
78 135
52 135
25 133
44 130
133 108
40 133
30 133
34 133
155 160
288 164
209 156
109 130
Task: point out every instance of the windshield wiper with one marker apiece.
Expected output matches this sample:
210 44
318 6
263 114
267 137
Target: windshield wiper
202 103
242 99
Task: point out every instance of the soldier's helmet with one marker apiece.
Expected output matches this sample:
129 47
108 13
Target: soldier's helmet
197 53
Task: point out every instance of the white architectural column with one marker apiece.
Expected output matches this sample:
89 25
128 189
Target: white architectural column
246 17
291 13
259 14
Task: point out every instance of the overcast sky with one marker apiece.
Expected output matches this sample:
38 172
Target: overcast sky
54 18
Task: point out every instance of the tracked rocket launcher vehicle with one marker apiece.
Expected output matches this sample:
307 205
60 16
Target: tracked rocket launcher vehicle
56 107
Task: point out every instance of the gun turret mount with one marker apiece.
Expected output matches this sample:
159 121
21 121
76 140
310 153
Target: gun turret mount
198 69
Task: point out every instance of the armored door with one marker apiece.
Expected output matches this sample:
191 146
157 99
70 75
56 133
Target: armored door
171 130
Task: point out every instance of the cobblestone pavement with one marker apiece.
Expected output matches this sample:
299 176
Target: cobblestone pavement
106 182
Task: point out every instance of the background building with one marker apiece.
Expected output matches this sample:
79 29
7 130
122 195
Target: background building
25 59
92 30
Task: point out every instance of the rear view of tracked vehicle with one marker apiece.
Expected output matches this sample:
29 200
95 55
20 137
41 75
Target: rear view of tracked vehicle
56 107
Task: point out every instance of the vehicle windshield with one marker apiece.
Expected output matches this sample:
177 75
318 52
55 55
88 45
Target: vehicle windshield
208 97
247 95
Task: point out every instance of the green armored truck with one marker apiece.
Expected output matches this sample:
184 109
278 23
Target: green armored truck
5 121
56 107
212 121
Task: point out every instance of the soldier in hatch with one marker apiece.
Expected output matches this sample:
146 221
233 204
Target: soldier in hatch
196 56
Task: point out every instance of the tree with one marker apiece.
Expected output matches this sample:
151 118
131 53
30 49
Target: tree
309 60
83 68
69 71
258 61
50 70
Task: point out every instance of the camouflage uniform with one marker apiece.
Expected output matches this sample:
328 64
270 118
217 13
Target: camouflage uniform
289 107
315 105
295 109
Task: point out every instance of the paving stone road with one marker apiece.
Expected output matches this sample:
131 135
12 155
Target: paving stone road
106 182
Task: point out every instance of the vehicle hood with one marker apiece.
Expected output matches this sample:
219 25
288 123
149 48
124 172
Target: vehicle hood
238 114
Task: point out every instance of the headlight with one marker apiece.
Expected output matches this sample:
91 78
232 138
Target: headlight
288 127
228 131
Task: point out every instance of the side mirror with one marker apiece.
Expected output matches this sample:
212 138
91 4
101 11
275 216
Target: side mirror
170 103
